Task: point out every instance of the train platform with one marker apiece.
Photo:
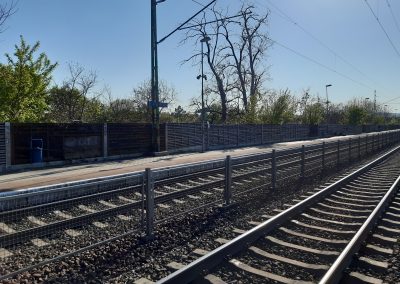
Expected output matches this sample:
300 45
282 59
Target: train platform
80 172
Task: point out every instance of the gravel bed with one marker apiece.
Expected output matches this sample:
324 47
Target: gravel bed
230 274
305 242
313 222
130 258
291 253
316 232
276 267
60 243
389 275
345 206
332 217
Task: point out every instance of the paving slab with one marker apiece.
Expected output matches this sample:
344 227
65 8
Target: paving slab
69 173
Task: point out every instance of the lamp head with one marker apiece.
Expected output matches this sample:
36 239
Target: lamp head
205 39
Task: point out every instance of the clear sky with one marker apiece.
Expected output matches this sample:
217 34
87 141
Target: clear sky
336 42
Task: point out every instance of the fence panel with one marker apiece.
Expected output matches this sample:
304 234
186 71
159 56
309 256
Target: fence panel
182 136
129 139
60 141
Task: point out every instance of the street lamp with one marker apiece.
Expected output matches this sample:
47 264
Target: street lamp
385 113
327 101
205 39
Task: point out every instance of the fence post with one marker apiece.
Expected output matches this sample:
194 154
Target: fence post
338 153
273 169
105 140
228 180
208 136
149 203
7 136
237 135
166 136
323 156
262 134
302 162
359 147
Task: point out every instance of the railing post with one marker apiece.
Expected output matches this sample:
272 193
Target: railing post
302 165
373 142
149 182
338 153
379 138
323 156
228 180
359 147
273 169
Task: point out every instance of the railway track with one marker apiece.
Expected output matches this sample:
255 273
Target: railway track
78 217
26 222
311 241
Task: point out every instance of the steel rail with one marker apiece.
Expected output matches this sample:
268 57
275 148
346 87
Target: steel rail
192 271
334 274
24 235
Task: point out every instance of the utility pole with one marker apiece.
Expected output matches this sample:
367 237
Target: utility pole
155 110
374 101
155 100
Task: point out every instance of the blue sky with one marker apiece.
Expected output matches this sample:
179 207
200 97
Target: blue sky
113 38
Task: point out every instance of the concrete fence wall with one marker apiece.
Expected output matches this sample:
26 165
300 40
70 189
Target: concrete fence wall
69 143
183 137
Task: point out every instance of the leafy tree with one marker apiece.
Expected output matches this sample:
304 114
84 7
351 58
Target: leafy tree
355 114
121 110
23 84
278 107
181 115
251 116
313 114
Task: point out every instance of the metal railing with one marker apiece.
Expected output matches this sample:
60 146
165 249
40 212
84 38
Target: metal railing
83 215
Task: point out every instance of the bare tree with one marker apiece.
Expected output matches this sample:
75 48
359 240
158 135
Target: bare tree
233 54
6 11
70 101
246 51
142 95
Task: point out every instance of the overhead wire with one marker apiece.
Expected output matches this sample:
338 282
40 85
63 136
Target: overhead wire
393 16
320 64
284 15
383 29
291 20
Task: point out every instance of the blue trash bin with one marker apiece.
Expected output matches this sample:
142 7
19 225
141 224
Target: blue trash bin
37 155
37 150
